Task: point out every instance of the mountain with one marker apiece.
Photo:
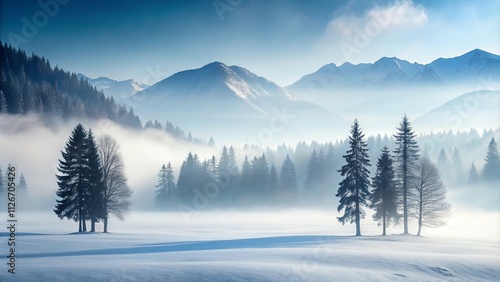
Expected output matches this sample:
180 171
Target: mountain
478 109
393 72
233 102
119 90
472 67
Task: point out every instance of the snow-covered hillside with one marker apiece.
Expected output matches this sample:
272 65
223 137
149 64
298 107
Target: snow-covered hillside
245 246
479 110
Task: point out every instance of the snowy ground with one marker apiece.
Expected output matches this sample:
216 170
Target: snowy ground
250 246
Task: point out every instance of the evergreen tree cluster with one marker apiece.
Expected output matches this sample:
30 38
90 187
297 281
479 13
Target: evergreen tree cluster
223 184
84 186
29 84
410 187
21 183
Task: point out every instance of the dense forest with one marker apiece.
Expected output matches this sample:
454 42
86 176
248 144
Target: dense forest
29 84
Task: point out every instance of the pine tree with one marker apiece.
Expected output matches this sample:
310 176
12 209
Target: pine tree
74 189
353 190
161 192
273 181
384 197
456 162
406 155
491 169
22 186
473 176
288 181
96 197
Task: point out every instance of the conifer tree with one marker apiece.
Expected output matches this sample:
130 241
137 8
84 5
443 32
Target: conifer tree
406 155
74 188
473 176
491 169
288 181
96 197
384 197
353 190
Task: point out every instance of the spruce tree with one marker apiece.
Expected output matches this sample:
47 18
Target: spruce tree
96 206
288 181
273 181
22 185
406 155
491 169
73 182
161 192
473 176
456 162
353 190
384 197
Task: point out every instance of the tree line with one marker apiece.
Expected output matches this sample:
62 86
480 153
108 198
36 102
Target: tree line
406 182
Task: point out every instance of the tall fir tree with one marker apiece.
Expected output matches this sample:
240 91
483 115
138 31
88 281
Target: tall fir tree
406 156
456 162
273 182
491 169
384 194
96 205
473 176
74 189
22 185
162 191
288 181
353 190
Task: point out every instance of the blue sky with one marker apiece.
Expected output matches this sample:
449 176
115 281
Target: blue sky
280 40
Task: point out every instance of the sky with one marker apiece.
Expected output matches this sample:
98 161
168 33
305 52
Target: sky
280 40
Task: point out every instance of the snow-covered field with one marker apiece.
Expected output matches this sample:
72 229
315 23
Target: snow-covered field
293 245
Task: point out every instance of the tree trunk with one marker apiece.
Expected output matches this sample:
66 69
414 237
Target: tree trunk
92 225
84 225
105 225
358 227
383 221
405 192
420 207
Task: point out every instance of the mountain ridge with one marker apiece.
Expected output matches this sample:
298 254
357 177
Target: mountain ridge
395 72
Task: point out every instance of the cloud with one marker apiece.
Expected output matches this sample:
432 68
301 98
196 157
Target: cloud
403 13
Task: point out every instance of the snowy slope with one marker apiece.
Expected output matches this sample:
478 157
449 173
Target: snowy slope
259 246
119 90
479 110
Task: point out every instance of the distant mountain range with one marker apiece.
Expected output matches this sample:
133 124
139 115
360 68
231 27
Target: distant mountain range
119 90
394 72
225 98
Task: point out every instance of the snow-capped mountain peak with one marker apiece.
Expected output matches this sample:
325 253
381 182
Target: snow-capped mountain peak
119 90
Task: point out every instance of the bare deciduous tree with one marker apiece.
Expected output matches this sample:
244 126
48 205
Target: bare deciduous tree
117 193
428 197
